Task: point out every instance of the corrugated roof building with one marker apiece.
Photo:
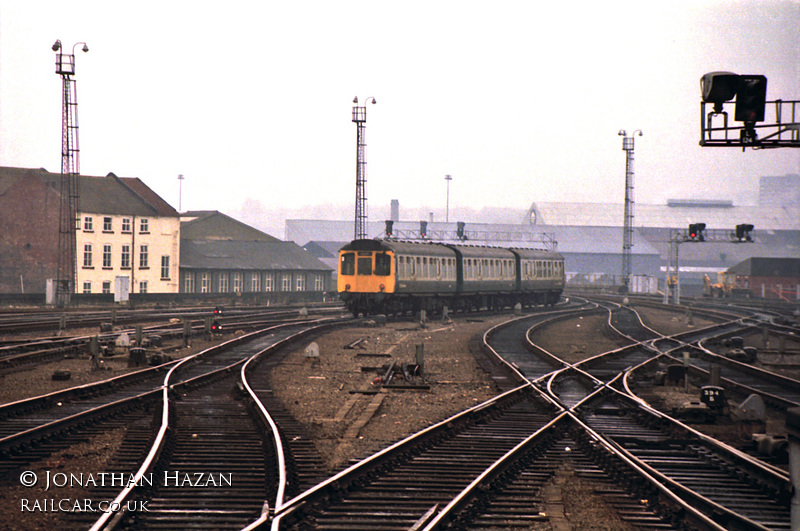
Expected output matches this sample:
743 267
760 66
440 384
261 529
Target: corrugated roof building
222 255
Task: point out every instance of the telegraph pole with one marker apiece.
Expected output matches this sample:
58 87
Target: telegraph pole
180 192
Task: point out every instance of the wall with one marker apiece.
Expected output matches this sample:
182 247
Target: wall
29 236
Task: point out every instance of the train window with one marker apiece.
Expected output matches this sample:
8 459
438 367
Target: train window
348 264
365 265
383 264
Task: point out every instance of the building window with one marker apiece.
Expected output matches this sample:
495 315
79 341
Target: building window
301 283
286 282
255 283
107 256
165 267
319 283
188 282
87 255
87 287
223 283
269 282
126 224
204 283
237 282
88 224
107 227
144 257
106 286
125 257
143 286
144 226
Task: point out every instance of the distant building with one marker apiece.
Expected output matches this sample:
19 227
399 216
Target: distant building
222 255
124 229
326 252
589 235
780 191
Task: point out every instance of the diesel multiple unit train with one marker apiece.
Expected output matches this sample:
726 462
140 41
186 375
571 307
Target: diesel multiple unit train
395 277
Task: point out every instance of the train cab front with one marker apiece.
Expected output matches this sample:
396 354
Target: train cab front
366 276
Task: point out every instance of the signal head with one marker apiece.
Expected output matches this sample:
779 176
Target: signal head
719 87
751 99
743 232
695 232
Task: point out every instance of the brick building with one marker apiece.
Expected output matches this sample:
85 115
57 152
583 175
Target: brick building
124 230
770 278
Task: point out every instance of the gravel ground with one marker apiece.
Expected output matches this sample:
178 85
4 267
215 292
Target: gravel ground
329 394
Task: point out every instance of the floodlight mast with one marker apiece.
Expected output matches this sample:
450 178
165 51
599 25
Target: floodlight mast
361 216
627 228
66 278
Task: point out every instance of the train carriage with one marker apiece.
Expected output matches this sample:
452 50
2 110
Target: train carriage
541 275
394 277
488 276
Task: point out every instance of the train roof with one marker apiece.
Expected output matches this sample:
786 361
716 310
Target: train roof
537 253
403 247
446 249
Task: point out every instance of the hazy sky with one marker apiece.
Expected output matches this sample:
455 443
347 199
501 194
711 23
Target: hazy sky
519 102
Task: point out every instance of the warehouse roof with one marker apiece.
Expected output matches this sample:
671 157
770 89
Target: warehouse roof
214 225
247 255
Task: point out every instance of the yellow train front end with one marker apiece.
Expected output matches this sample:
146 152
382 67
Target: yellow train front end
366 276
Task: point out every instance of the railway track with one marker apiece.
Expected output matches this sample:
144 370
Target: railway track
396 488
218 457
53 420
733 490
18 354
490 466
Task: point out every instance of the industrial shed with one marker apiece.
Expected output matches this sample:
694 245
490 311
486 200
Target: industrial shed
220 255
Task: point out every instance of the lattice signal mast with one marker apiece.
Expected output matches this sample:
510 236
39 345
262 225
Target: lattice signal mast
360 119
70 170
627 227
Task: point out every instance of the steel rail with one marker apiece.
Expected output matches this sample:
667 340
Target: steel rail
110 520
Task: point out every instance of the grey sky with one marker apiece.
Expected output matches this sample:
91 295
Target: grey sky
518 102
